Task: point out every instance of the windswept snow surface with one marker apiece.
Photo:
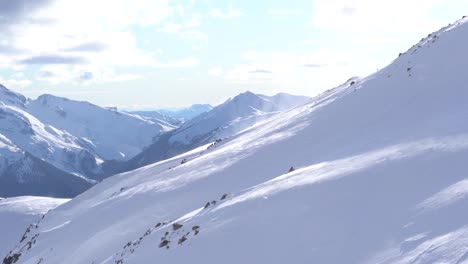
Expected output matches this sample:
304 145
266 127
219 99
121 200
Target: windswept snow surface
379 177
17 213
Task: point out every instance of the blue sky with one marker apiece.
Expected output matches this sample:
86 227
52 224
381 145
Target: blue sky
144 54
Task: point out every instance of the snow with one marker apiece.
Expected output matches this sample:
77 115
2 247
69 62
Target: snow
235 115
187 113
42 141
380 177
56 146
110 132
226 120
17 213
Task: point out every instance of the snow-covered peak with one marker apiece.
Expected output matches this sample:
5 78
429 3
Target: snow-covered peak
114 135
59 147
235 115
225 120
9 97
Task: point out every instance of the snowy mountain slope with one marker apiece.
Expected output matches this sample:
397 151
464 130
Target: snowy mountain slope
18 213
380 177
223 121
29 175
185 114
112 134
11 98
235 115
22 173
57 147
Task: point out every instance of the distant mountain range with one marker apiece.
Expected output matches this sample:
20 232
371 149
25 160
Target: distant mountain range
225 120
60 147
175 116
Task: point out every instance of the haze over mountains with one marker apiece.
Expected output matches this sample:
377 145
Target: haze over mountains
372 171
175 116
59 147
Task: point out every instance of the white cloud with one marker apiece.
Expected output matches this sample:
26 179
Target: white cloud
186 30
90 36
378 16
99 73
284 11
217 71
298 73
17 82
230 13
182 63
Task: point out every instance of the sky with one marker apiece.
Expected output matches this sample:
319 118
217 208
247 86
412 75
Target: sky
146 54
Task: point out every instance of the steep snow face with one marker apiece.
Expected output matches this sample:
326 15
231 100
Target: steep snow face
9 153
113 135
18 213
379 176
45 142
22 173
10 97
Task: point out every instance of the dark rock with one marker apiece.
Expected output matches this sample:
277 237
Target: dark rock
11 259
176 226
164 243
182 240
